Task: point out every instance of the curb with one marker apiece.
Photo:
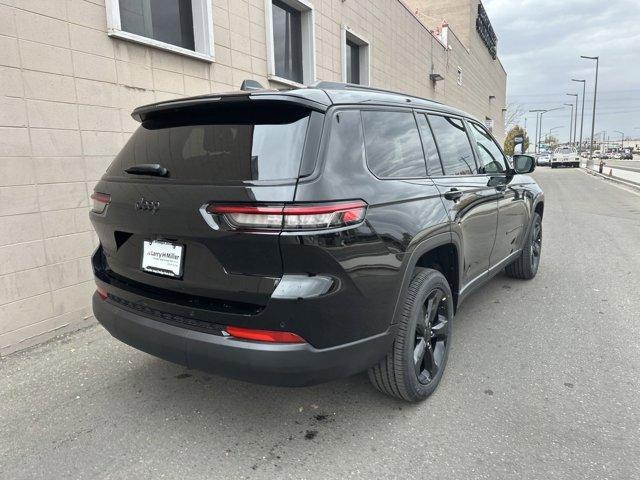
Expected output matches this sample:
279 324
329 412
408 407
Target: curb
626 183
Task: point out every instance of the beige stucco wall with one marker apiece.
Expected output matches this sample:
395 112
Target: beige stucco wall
66 92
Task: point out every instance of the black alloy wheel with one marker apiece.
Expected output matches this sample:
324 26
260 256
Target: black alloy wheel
414 367
526 265
431 336
536 243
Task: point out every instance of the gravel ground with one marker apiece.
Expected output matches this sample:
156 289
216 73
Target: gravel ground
542 382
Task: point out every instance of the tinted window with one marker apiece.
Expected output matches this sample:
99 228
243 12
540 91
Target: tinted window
353 62
218 152
566 151
434 167
489 154
287 41
346 142
392 144
453 144
170 21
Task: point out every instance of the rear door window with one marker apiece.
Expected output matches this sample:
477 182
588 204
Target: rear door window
219 151
392 144
453 144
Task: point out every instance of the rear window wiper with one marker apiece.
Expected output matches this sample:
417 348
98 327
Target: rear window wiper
153 169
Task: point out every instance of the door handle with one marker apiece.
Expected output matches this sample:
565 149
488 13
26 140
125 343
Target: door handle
453 194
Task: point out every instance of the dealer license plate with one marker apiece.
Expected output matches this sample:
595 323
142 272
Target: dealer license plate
162 258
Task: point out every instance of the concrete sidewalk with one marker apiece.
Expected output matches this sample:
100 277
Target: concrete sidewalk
616 173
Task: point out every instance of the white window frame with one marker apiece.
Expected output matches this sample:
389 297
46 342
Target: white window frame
347 33
459 76
308 33
202 31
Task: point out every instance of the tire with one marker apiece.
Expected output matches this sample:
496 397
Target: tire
413 368
526 266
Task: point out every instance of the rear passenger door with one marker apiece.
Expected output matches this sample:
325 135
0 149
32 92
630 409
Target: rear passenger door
471 203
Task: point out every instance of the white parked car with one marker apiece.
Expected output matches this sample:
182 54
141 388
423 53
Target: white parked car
565 157
544 159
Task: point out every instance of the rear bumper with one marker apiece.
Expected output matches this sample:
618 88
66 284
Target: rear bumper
565 163
257 362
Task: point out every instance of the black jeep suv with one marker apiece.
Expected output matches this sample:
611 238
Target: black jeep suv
294 237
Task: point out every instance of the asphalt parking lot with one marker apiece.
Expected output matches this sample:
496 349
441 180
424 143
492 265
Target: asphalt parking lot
543 382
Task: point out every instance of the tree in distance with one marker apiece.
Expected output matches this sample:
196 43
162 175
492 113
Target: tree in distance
509 142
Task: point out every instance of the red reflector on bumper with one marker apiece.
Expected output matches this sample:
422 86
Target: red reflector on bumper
263 335
102 293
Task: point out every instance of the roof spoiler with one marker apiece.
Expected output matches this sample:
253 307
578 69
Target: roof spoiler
207 103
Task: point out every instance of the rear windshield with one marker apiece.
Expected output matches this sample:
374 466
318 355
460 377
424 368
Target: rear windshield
565 151
214 150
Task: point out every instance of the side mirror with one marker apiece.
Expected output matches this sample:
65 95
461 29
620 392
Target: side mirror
524 163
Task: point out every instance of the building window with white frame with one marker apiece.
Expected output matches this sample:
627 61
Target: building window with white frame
181 26
353 62
287 41
355 58
290 41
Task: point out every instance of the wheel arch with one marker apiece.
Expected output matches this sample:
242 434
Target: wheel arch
537 207
440 252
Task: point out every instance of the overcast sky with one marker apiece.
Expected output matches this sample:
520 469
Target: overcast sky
540 43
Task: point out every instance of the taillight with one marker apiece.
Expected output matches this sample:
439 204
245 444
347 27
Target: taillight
292 217
270 336
100 202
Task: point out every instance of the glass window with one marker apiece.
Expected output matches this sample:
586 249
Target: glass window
392 144
220 152
353 62
490 156
434 167
345 141
566 150
287 41
169 21
455 150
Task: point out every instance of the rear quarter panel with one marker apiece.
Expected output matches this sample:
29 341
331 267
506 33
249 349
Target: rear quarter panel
368 260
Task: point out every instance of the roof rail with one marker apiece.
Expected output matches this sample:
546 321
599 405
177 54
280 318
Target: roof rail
355 86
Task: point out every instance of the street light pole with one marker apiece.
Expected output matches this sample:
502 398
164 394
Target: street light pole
570 120
535 150
622 139
540 133
593 118
584 89
542 112
576 119
551 130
